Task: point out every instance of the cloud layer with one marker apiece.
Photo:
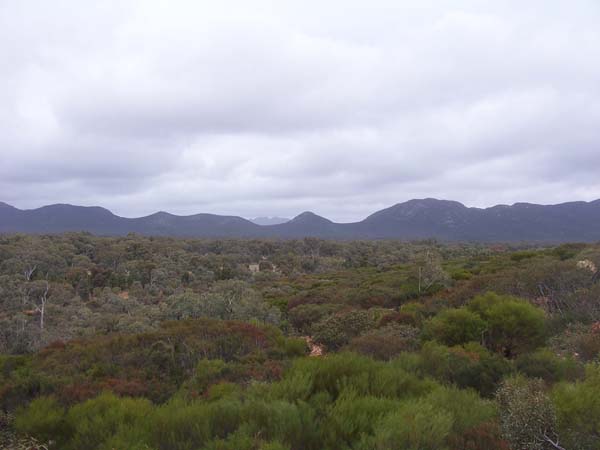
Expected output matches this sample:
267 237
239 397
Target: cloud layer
270 108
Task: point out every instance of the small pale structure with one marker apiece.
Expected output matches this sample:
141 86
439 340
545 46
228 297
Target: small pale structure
587 265
315 349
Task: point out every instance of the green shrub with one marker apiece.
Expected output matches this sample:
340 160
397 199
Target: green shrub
331 372
416 425
297 384
353 416
224 416
96 421
417 310
456 326
468 366
240 440
391 381
334 373
130 438
295 347
551 368
222 390
280 421
44 419
567 251
578 410
468 410
207 372
523 254
180 426
514 325
274 446
461 274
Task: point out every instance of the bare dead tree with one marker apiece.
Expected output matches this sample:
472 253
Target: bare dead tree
24 291
554 443
41 306
555 300
28 272
430 272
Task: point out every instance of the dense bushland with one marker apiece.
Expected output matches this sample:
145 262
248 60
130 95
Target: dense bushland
147 343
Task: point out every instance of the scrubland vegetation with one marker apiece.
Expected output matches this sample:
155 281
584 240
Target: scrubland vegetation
171 344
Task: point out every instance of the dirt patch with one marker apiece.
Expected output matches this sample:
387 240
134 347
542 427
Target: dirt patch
315 349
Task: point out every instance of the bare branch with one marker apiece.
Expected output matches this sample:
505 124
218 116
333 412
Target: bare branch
29 272
554 444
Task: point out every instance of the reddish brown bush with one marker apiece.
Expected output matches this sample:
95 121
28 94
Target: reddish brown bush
126 388
79 392
399 317
484 436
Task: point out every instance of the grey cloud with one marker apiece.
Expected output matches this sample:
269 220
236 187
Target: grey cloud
271 108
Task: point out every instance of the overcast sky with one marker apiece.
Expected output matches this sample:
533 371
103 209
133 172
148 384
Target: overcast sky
272 108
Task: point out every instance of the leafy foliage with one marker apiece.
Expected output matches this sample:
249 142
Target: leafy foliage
456 327
157 343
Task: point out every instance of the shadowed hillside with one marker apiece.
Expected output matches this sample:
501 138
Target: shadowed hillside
414 219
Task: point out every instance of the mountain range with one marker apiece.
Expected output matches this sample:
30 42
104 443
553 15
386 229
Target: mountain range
415 219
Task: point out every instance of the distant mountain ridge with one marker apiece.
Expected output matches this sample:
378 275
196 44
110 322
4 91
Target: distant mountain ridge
414 219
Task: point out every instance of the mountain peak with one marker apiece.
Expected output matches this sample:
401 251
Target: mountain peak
161 214
69 207
431 203
430 208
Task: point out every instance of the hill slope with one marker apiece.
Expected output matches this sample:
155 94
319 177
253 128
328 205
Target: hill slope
414 219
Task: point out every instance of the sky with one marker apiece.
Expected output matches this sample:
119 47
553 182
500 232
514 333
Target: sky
263 108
